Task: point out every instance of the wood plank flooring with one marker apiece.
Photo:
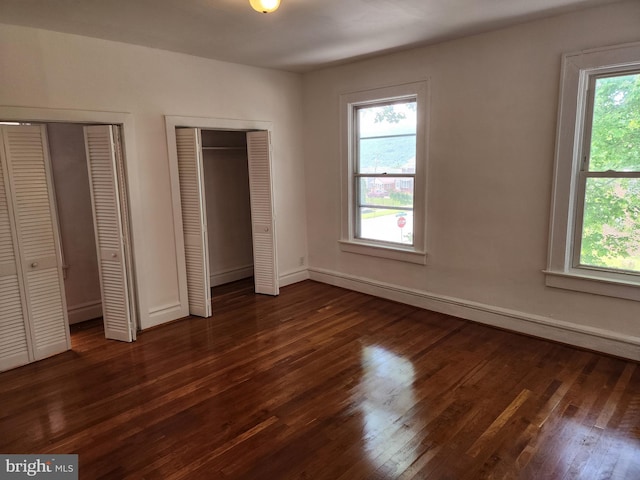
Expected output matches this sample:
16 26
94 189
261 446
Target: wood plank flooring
324 383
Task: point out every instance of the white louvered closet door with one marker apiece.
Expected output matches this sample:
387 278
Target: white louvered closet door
194 223
117 308
14 336
39 265
262 218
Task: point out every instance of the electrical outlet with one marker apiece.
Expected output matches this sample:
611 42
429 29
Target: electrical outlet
301 261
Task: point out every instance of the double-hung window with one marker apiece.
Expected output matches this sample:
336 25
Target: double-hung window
384 170
595 228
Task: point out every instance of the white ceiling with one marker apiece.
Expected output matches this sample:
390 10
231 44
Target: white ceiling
302 35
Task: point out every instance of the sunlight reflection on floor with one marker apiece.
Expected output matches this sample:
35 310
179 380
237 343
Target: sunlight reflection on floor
387 391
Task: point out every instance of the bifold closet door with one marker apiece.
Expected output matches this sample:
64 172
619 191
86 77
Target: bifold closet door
39 268
14 343
194 220
103 162
262 218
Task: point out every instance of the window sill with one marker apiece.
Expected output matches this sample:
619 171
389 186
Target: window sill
596 284
393 253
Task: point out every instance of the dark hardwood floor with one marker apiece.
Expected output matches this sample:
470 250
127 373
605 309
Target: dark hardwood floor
324 383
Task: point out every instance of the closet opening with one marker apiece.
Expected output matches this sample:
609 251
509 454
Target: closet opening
227 211
66 254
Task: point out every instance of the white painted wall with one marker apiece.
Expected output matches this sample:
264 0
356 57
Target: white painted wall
73 199
226 184
494 100
45 69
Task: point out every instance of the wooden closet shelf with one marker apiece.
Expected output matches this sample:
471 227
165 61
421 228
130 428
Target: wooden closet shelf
224 148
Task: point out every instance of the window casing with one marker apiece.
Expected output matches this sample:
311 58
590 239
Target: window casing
595 225
384 134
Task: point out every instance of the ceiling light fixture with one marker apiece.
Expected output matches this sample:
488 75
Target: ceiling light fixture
265 6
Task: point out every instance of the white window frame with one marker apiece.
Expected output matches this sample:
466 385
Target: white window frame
349 102
574 113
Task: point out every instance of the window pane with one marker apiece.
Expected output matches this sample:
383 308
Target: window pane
615 136
386 143
611 229
395 154
394 226
387 138
386 191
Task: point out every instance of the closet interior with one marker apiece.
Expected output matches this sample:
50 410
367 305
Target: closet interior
228 206
75 219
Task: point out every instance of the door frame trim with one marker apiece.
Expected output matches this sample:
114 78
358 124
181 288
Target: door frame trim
208 123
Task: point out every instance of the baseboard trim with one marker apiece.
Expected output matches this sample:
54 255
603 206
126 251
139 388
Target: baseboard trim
231 275
568 333
84 311
294 276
